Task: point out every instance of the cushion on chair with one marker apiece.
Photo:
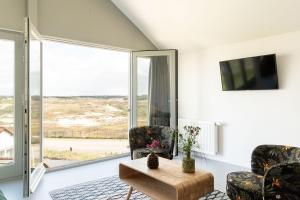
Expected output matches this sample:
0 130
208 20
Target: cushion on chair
143 152
140 153
244 186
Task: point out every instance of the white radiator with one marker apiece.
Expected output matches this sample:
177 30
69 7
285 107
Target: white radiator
207 138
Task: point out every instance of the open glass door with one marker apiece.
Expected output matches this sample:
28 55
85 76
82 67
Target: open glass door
154 88
33 131
11 86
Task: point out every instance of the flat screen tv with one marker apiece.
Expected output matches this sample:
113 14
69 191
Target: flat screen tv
252 73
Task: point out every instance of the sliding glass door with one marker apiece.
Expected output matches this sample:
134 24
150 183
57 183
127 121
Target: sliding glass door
154 88
34 168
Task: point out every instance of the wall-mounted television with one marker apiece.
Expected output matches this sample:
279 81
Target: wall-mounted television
252 73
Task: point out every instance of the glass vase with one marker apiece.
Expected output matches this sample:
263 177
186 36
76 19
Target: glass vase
188 163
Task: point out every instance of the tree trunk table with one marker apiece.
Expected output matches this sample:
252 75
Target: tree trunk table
168 182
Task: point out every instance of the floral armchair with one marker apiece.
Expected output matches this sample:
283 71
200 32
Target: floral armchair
141 137
275 175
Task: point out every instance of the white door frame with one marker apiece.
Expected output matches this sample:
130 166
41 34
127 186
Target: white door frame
172 54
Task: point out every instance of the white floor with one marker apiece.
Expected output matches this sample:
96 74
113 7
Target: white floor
68 177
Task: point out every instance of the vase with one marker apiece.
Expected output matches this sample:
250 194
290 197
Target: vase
152 161
188 164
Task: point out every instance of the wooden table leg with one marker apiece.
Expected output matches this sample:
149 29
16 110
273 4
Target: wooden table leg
129 193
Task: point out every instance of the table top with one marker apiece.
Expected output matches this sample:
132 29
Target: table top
169 171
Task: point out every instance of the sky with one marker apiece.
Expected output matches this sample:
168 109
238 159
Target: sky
74 70
7 62
143 75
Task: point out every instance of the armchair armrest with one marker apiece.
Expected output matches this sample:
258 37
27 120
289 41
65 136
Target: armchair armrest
282 181
167 138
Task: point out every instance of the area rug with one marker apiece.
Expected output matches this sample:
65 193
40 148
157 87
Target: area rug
110 188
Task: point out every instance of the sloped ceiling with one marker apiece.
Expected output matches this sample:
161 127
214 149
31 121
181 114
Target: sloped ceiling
190 24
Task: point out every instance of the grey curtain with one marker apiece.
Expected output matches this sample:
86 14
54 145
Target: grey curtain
159 91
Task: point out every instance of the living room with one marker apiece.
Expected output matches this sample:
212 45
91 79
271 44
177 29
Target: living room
97 88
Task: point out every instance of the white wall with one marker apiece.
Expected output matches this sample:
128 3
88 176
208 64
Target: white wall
32 11
12 13
250 118
95 21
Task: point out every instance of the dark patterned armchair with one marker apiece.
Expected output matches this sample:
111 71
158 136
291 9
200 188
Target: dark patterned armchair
140 137
275 175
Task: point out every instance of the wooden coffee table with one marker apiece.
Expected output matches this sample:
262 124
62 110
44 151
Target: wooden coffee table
168 182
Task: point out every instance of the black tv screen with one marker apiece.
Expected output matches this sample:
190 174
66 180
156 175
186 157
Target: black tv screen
253 73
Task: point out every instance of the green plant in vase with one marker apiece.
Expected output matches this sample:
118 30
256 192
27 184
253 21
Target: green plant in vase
187 141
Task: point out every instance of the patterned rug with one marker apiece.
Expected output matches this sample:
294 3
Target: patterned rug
110 188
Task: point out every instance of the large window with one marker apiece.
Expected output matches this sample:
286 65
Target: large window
7 86
85 103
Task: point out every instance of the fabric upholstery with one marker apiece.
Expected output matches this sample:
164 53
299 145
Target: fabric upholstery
265 156
140 137
275 175
283 181
244 185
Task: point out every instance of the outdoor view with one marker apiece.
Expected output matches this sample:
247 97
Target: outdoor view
85 103
7 61
143 66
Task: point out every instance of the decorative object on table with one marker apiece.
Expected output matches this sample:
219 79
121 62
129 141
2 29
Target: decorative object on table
187 141
275 175
110 188
152 161
140 137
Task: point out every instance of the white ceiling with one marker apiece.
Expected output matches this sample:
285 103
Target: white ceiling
189 24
